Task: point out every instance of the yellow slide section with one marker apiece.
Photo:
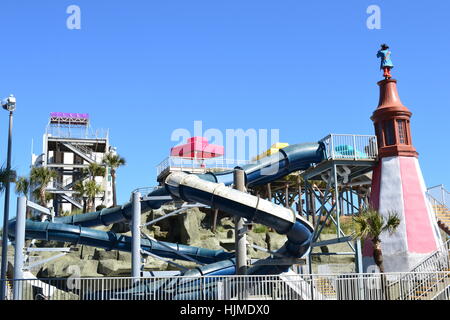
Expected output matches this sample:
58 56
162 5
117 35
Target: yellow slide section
272 150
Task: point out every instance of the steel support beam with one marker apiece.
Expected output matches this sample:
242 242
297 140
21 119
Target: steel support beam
19 245
136 240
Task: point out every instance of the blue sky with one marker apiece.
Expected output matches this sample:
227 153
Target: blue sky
145 68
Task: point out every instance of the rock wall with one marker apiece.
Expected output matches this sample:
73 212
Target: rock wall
191 228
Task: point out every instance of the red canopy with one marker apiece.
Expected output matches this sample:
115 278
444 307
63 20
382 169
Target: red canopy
197 148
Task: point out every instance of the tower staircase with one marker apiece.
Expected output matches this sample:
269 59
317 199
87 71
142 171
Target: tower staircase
72 201
66 191
82 150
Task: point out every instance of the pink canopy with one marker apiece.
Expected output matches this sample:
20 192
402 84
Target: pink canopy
197 148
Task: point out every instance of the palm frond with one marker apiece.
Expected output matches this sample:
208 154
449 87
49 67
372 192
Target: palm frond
23 186
392 222
5 177
371 223
113 160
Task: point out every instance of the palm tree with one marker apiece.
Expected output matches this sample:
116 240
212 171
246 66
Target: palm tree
91 190
370 225
5 176
95 170
113 161
42 177
23 188
81 190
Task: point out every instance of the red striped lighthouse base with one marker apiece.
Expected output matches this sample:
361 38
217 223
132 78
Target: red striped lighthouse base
398 186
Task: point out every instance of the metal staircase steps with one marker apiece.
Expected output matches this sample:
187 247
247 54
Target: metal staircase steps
325 287
72 201
80 150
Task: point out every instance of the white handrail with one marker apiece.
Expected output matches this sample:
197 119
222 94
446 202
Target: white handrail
351 146
288 286
198 164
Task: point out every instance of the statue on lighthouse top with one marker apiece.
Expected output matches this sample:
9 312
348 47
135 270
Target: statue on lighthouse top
391 118
386 63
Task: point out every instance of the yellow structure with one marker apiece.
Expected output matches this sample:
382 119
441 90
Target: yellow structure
273 149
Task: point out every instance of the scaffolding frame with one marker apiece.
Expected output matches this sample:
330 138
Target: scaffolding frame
344 192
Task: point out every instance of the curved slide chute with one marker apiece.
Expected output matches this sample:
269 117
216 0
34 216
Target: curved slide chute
283 220
210 189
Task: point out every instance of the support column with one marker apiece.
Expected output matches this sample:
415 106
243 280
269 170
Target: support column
338 202
286 195
55 205
136 237
300 205
19 246
308 202
269 192
214 222
358 257
239 228
359 268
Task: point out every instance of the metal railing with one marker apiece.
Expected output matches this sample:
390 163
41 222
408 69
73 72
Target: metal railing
76 132
372 286
438 195
437 261
424 273
199 165
351 146
82 149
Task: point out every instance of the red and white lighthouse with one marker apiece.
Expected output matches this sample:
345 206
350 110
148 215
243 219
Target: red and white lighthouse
398 185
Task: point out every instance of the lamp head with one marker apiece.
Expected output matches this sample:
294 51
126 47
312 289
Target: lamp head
10 103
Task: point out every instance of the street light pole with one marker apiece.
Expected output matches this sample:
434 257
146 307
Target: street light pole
10 105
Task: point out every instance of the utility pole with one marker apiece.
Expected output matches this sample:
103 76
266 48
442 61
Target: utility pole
10 106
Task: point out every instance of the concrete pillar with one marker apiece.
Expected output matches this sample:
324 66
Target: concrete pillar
19 246
136 234
239 228
358 257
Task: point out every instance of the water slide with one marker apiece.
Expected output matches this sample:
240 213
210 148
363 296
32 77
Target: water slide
212 189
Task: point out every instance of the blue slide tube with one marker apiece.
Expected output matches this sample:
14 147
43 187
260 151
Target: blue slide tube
109 240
